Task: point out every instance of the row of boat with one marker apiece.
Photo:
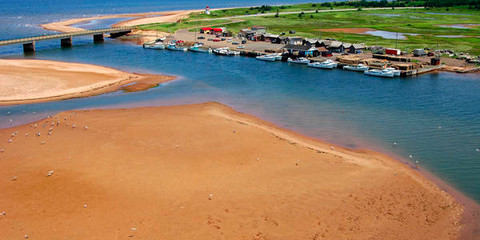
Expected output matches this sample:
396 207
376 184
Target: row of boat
330 64
195 48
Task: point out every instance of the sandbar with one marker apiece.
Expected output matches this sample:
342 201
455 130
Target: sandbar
25 81
205 171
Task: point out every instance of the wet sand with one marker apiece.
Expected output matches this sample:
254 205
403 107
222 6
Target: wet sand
31 81
205 171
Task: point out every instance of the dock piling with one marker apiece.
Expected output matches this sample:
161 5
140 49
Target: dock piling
29 47
66 42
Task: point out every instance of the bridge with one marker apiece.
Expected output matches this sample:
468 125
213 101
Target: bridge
66 38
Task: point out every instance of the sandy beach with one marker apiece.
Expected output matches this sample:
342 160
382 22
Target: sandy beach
205 171
30 81
139 18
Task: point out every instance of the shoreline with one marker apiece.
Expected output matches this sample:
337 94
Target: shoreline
343 159
56 81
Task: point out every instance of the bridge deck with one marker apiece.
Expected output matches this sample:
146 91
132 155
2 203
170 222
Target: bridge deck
64 35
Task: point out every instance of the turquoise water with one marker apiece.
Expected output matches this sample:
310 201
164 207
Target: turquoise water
434 117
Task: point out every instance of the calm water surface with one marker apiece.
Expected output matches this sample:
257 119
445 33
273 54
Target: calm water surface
435 117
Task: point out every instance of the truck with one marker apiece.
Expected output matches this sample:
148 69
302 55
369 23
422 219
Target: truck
393 51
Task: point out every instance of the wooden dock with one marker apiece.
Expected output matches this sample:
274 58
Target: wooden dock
66 38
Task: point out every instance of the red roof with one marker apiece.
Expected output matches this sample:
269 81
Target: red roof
206 28
218 30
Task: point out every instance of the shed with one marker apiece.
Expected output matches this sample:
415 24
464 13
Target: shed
336 46
356 48
206 30
259 29
301 50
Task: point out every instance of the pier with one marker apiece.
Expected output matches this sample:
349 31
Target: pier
66 38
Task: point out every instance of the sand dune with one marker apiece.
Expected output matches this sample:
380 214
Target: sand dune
205 172
28 81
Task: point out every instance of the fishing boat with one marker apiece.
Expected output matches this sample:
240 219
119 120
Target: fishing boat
328 64
357 68
198 48
154 45
267 58
300 60
225 52
395 71
380 73
173 47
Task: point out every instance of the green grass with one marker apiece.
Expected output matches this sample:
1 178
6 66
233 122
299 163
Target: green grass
408 21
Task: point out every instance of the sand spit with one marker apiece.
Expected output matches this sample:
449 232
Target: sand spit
205 171
30 81
139 18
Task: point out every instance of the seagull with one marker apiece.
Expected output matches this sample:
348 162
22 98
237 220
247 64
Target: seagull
38 134
86 128
395 143
85 206
26 134
331 147
133 229
258 159
410 156
210 196
2 150
478 150
10 140
73 125
50 173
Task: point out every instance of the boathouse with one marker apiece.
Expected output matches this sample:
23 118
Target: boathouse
301 50
356 48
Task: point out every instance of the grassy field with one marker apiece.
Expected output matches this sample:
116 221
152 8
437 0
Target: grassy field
418 21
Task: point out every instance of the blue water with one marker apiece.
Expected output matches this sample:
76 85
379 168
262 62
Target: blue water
434 117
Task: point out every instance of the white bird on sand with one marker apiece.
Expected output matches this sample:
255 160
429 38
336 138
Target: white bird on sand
210 196
234 131
35 125
50 133
26 134
26 236
258 159
42 142
86 128
73 125
4 213
2 150
50 173
85 206
133 229
10 140
38 134
331 147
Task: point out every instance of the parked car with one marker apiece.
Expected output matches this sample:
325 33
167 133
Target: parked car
210 39
240 47
244 41
216 40
223 39
201 37
235 43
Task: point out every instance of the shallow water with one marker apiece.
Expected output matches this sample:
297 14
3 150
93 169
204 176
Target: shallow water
387 34
434 117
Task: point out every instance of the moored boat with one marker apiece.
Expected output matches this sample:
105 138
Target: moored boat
267 58
357 68
380 73
300 60
174 47
328 64
154 45
225 52
198 48
396 72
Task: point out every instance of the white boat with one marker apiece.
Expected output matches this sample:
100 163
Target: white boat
328 64
357 68
174 47
277 56
395 71
267 58
380 73
225 52
300 60
154 45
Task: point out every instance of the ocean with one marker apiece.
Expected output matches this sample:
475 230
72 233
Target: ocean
435 117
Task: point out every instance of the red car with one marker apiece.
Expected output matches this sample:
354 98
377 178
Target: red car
216 40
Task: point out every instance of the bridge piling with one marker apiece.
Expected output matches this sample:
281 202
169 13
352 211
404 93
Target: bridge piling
66 42
29 47
98 38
